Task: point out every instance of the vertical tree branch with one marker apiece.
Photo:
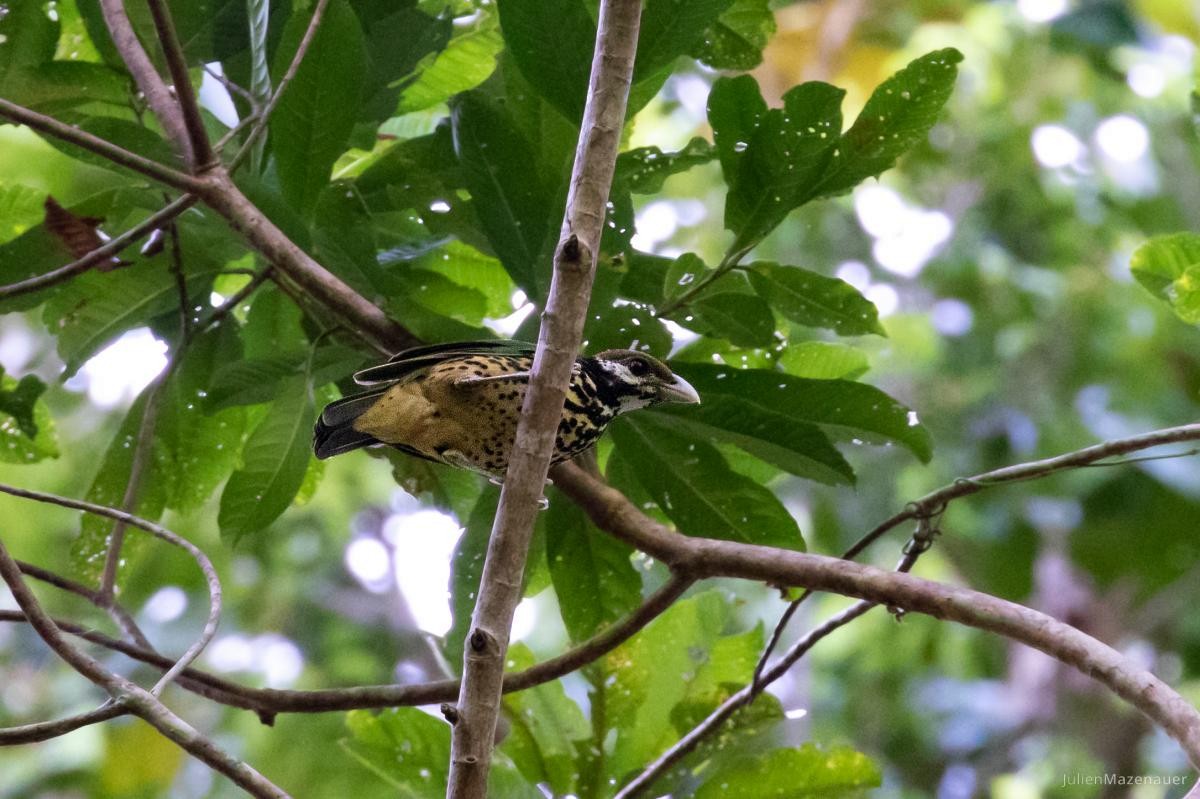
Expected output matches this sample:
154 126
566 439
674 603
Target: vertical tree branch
197 137
151 84
558 344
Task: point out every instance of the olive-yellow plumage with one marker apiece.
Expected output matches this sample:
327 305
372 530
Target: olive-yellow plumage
459 403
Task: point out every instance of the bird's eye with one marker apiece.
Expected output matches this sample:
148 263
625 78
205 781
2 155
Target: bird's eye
638 367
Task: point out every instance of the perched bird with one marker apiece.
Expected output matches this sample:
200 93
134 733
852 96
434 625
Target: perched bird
459 403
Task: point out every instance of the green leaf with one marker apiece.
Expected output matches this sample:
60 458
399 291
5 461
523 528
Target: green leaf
645 169
796 447
594 580
400 41
252 381
60 86
27 39
824 360
691 482
26 427
1169 267
194 451
97 307
736 40
122 132
546 724
512 204
742 319
804 773
464 64
778 156
409 749
626 327
272 326
815 300
671 28
274 461
108 488
681 274
841 407
20 209
651 674
468 267
551 42
313 120
898 116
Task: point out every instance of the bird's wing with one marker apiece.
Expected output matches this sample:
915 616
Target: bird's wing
405 363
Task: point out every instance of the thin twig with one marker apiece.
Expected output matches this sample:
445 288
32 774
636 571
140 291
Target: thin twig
131 696
151 84
157 530
260 125
193 122
81 138
103 252
558 344
45 730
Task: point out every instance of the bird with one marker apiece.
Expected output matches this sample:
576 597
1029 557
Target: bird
459 403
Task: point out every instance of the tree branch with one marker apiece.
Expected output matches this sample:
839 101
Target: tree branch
202 156
131 696
45 730
151 84
101 253
611 511
81 138
558 345
268 702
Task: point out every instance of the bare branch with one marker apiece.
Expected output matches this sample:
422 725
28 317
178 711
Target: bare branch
81 138
558 345
366 319
132 697
201 149
611 511
268 702
151 84
206 566
264 116
45 730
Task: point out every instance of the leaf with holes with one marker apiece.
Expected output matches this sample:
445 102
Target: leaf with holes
815 300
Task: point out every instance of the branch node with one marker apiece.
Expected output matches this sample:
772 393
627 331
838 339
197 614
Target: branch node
482 641
450 712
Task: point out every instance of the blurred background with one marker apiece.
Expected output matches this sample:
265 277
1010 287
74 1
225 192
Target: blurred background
998 257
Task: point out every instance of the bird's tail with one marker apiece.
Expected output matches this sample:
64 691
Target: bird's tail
334 432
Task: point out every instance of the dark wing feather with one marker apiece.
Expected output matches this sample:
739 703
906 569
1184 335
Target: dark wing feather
412 360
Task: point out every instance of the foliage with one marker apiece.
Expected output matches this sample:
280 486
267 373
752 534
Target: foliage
422 155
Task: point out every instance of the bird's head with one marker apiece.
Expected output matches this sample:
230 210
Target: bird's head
640 380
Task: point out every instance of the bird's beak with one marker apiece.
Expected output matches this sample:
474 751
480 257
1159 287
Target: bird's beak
679 391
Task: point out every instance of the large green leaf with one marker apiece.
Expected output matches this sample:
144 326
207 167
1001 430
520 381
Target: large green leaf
736 40
464 64
796 447
804 773
842 407
27 39
20 209
551 42
60 86
312 123
824 360
625 327
405 747
786 150
274 461
743 319
466 569
512 204
546 726
401 43
250 381
898 116
815 300
652 672
671 28
691 482
593 577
